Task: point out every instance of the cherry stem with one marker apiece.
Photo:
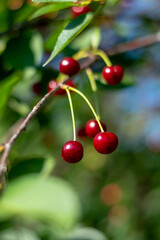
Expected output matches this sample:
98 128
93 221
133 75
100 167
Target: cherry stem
81 54
72 113
94 89
103 56
91 79
89 104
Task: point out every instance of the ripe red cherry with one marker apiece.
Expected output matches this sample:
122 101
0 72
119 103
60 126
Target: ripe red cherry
37 88
81 132
53 84
113 75
92 128
105 142
76 11
72 152
69 66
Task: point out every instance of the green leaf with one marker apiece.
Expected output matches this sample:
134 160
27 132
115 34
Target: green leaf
6 87
57 1
51 8
70 32
29 51
50 200
112 2
26 166
14 233
87 234
52 39
87 39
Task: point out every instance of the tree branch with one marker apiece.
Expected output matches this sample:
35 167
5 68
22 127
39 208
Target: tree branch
120 48
8 145
135 44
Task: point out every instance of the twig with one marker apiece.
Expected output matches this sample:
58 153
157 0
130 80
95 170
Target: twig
134 44
138 43
8 145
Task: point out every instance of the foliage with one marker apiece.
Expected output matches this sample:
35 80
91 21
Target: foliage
102 197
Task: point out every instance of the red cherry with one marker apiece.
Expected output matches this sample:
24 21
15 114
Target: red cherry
76 11
81 132
92 128
113 75
53 84
69 66
105 142
37 88
72 151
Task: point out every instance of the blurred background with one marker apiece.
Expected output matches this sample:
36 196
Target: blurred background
116 196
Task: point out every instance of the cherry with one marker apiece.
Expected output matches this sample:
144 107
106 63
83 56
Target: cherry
37 88
113 75
72 151
81 132
53 84
105 142
69 66
92 128
76 11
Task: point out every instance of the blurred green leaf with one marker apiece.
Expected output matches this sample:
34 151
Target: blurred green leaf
87 234
70 32
51 8
89 38
36 46
6 87
50 200
14 234
30 49
112 2
57 1
26 166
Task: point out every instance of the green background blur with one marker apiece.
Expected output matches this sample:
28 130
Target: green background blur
116 196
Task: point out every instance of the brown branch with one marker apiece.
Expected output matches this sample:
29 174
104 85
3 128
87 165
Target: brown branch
8 145
120 48
135 44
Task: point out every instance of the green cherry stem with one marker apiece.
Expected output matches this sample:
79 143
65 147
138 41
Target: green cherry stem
72 113
94 89
103 56
91 79
89 104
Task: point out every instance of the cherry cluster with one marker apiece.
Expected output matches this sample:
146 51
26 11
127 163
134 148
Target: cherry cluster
104 142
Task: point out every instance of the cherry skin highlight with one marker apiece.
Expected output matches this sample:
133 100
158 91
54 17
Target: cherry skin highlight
113 75
77 11
72 152
53 84
92 128
105 142
69 66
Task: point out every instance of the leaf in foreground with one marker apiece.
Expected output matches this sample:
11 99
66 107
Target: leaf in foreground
50 200
69 33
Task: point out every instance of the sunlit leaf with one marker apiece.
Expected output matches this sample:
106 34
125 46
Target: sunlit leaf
14 233
70 32
87 234
89 38
50 8
6 87
57 1
47 199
